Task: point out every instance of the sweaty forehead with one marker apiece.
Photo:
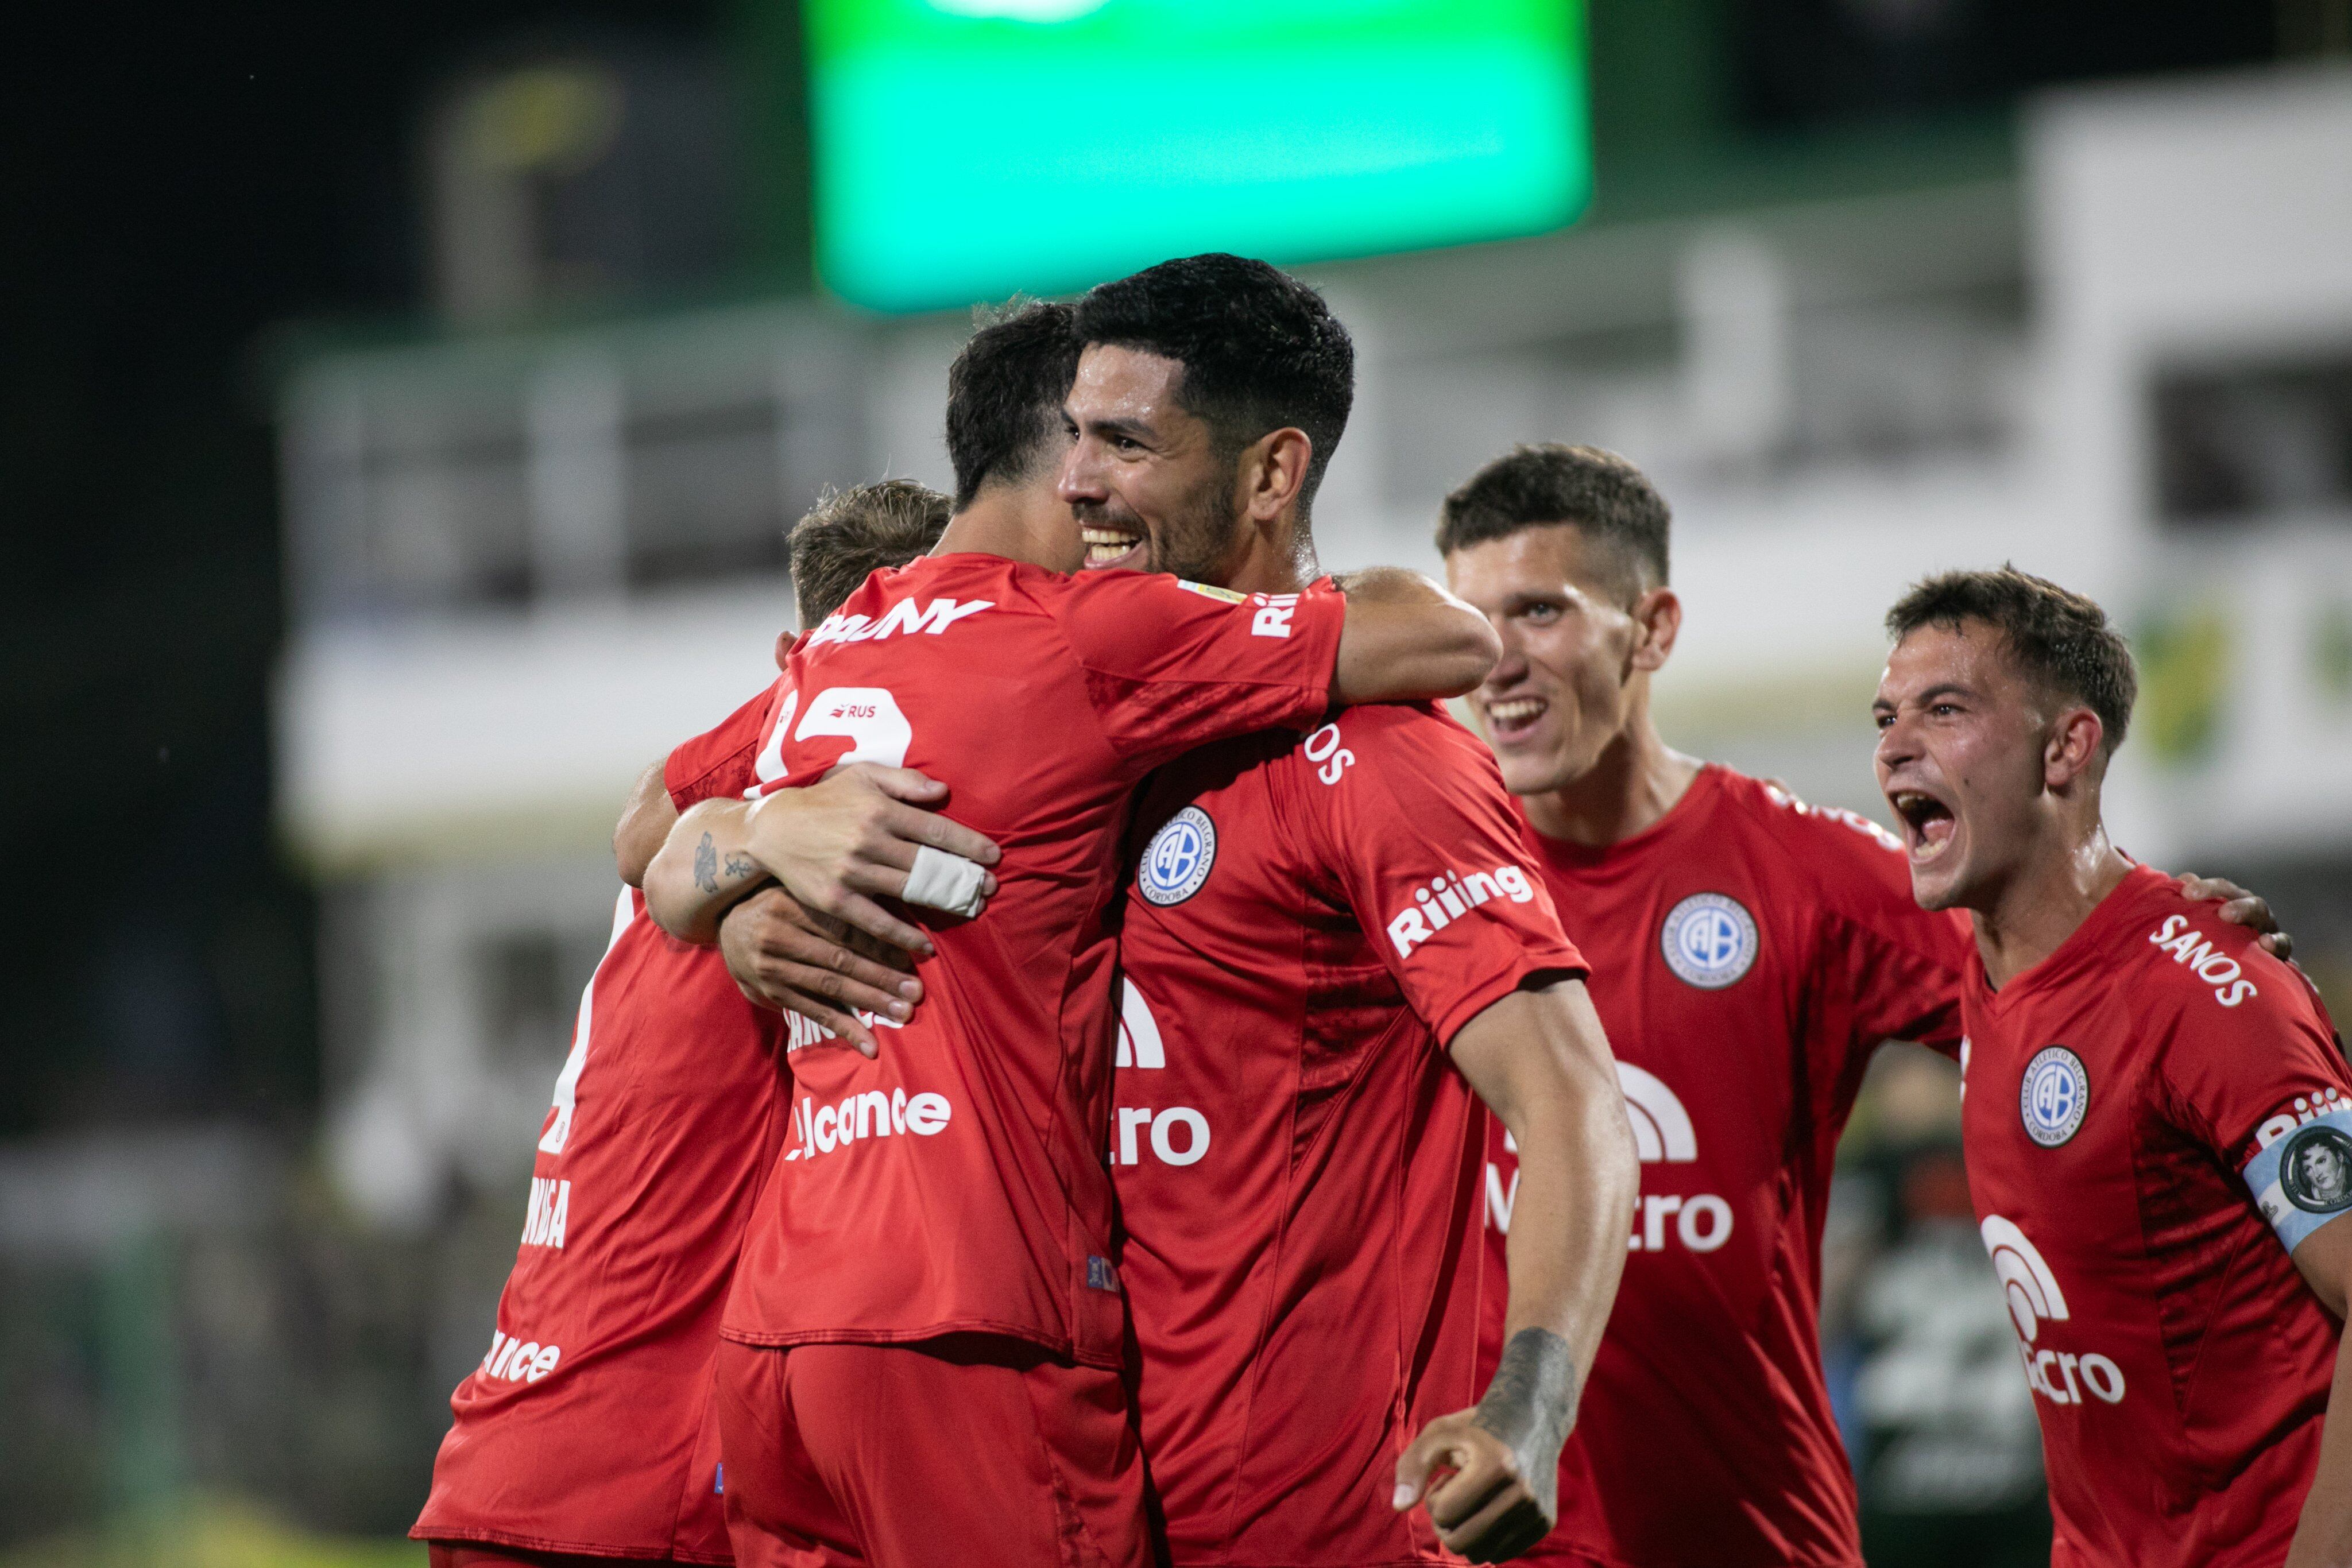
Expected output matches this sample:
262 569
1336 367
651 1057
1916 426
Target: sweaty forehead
1540 559
1117 382
1972 655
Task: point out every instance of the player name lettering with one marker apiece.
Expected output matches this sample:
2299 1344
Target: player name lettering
518 1360
2193 948
933 616
1449 897
821 1128
550 1211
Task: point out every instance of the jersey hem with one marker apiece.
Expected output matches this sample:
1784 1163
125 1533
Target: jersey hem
785 1339
575 1548
1584 1557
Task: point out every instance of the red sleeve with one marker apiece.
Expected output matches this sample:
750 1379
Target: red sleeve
1171 666
720 761
1892 969
2250 1046
1416 828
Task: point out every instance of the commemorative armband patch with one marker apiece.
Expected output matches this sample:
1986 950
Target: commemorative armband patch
2303 1177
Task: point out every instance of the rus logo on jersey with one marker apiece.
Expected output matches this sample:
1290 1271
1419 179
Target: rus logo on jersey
1451 895
2034 1299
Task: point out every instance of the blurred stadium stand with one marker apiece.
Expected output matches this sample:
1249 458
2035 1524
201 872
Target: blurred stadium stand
1871 287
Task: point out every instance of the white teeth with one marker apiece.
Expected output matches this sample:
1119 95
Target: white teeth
1107 536
1518 710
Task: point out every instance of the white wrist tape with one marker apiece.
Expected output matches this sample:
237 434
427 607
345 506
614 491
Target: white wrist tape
942 881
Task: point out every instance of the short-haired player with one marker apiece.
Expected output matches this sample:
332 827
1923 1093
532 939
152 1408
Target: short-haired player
2157 1110
1749 954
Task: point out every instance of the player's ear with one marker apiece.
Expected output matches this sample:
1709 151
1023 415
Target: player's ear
2072 750
1659 614
1274 473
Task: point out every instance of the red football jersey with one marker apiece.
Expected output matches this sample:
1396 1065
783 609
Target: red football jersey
589 1426
1749 954
957 1183
2134 1103
1311 920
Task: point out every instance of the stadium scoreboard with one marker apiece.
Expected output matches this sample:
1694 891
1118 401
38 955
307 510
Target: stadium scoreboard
966 150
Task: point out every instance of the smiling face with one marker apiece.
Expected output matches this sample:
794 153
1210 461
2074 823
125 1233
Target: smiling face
1963 758
1565 688
1144 476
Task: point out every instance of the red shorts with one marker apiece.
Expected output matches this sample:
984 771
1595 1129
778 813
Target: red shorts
973 1449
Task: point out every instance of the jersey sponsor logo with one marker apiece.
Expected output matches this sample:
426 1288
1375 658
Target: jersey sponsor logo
1177 860
864 1115
551 1210
1273 612
518 1360
1663 1134
1323 749
904 618
2035 1299
1178 1135
1451 895
2053 1096
2301 1174
1708 940
2195 951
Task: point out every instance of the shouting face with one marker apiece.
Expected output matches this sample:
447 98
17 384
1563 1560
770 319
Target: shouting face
1962 754
1144 477
1570 649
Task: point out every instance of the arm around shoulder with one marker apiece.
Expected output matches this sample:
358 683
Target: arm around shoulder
1405 639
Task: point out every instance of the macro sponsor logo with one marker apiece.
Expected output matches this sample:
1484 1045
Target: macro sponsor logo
2194 949
1451 895
1177 1135
2034 1299
518 1360
550 1211
1663 1134
866 1116
904 618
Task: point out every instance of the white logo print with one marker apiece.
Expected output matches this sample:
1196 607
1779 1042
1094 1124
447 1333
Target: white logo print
934 616
1448 897
866 1115
2054 1096
1140 1048
1663 1134
2035 1299
1177 860
518 1360
1709 940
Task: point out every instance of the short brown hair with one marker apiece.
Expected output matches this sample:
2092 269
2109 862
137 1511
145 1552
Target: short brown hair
1535 487
2061 638
850 534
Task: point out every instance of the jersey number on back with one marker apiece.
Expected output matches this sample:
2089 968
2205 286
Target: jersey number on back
869 715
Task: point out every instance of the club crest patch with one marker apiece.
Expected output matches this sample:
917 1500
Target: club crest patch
2054 1096
1177 860
1709 940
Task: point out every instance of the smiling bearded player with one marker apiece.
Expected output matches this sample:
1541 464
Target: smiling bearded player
2148 1094
1749 954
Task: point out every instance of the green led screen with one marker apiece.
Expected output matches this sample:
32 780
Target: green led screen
967 150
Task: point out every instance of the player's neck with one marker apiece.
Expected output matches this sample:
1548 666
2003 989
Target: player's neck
2029 914
1277 560
1630 786
1019 523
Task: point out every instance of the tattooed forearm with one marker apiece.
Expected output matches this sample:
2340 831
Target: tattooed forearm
706 865
1532 1398
740 865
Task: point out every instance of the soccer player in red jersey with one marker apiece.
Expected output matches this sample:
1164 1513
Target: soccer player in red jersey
2149 1093
1333 949
588 1431
1749 953
937 1236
